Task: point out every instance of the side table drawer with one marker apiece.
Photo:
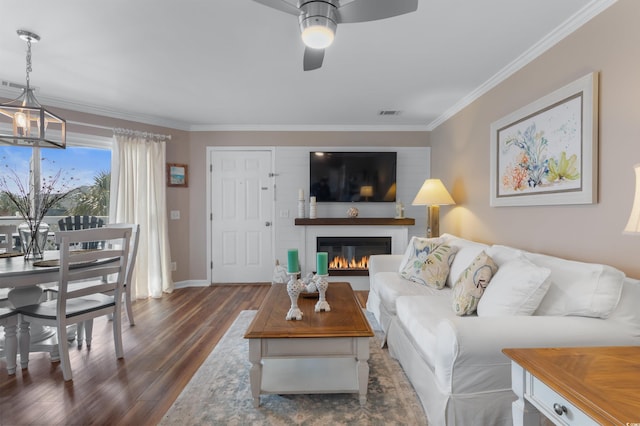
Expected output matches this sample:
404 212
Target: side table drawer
550 403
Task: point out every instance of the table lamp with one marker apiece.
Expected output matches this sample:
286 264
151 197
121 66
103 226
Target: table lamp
433 194
633 225
366 192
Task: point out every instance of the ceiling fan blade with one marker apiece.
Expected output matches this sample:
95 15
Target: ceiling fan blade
372 10
280 5
312 59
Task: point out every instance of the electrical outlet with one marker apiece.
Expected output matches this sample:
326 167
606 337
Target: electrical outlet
284 213
174 266
175 214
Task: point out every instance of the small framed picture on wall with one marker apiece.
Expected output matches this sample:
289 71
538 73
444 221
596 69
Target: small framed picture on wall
177 175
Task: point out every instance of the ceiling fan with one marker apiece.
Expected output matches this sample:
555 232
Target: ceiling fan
319 19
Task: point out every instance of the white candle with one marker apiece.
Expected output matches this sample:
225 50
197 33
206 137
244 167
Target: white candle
300 194
312 200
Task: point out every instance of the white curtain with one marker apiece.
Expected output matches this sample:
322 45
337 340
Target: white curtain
138 196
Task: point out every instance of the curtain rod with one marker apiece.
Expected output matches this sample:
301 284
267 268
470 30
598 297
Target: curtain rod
129 132
122 131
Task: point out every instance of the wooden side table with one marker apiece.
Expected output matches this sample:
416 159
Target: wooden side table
576 386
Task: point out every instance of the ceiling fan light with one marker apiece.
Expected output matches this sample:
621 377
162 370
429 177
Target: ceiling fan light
318 36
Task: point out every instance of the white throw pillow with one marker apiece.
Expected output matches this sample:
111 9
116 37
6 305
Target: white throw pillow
578 288
516 289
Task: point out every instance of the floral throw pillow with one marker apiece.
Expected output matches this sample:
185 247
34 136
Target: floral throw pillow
471 284
427 262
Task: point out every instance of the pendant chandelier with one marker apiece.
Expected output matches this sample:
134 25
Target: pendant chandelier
24 122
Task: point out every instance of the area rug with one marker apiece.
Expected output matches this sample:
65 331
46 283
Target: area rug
219 393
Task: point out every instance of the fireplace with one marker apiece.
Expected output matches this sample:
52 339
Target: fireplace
350 255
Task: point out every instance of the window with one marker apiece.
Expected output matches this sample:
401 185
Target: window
85 171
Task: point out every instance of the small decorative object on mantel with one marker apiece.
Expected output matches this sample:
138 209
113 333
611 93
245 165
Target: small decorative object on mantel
294 286
399 210
300 203
352 212
313 208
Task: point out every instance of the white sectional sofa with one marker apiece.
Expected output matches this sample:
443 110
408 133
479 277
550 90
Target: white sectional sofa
455 362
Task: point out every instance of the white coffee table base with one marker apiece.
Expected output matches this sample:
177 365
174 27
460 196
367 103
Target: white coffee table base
309 365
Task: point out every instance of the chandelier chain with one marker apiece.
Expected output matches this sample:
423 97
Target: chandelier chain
29 69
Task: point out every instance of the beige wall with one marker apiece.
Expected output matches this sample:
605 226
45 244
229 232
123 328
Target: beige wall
199 141
608 44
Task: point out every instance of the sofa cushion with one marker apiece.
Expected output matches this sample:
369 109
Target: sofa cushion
427 263
516 289
420 316
471 284
390 285
578 288
467 252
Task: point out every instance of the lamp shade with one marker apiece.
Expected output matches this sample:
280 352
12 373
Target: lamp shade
366 191
432 193
633 225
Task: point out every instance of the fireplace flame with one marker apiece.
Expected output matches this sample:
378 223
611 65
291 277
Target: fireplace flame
340 262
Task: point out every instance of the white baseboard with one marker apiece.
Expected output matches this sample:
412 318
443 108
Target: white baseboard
191 283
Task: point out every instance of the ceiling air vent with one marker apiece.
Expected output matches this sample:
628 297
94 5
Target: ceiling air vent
389 112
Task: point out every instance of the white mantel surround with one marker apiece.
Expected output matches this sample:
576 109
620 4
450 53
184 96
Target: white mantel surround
399 239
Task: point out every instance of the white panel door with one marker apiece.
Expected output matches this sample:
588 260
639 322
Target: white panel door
242 206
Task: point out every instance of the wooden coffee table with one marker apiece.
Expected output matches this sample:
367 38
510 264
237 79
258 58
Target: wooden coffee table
325 352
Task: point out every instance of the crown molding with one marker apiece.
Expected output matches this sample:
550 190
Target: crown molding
580 18
308 128
49 101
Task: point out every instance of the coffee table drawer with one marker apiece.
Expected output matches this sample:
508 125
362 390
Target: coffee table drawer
309 347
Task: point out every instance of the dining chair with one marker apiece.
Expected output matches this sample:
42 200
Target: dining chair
71 223
76 305
133 254
9 320
87 326
7 242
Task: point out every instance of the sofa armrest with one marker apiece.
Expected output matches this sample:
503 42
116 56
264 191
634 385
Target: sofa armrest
469 349
384 263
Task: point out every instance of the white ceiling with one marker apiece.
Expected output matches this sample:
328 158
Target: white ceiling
236 64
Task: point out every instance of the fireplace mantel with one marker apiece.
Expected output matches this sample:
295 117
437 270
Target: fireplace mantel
355 221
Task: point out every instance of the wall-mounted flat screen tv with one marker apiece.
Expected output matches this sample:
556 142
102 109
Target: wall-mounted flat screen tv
353 176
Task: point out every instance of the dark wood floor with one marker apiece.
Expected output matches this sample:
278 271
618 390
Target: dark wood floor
172 337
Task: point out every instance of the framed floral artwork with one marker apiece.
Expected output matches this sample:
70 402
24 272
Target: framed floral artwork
546 152
177 175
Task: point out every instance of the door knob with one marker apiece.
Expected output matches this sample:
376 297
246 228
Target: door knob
267 223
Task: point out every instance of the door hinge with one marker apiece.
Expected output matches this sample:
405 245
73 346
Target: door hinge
211 217
273 174
211 266
210 168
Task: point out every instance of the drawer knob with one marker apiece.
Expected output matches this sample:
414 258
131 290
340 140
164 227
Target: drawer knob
559 409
